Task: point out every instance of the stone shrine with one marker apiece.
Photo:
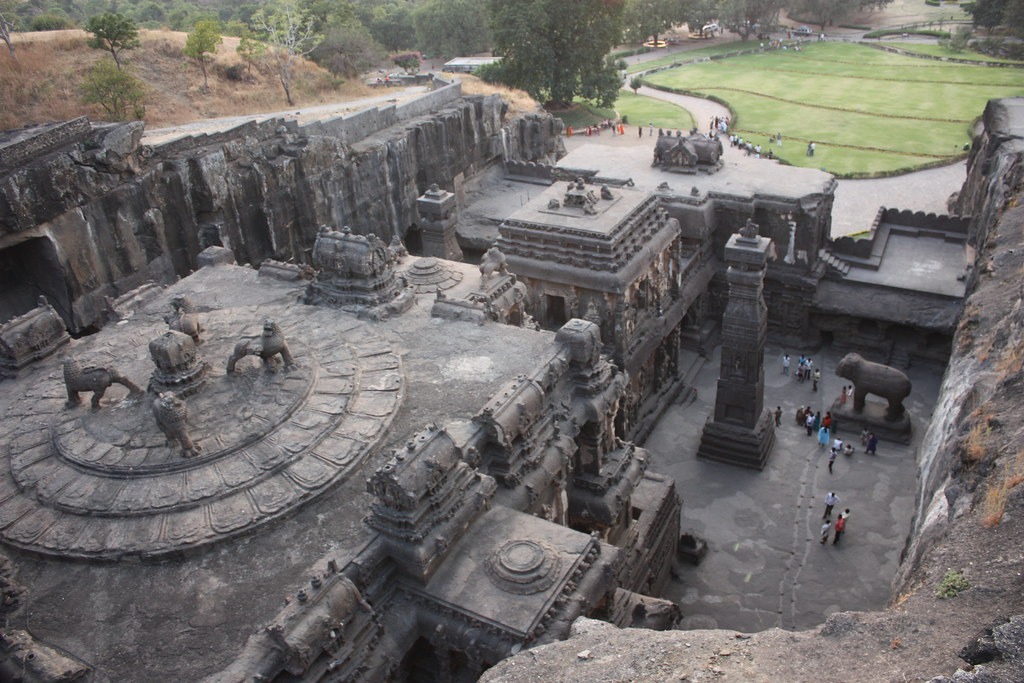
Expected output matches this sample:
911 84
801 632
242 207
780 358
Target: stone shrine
437 224
742 432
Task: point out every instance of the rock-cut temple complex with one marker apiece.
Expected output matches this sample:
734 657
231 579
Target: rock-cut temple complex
262 422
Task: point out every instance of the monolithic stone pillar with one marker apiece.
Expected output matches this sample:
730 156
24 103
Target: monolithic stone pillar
437 227
741 432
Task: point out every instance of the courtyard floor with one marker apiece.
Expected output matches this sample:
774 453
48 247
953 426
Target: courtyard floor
765 565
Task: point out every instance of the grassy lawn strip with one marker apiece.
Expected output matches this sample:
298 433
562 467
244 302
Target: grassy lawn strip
690 55
866 111
942 51
583 114
638 110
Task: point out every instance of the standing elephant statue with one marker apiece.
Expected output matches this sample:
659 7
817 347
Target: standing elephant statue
96 380
874 378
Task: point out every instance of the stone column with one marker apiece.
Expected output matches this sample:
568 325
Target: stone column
437 227
742 432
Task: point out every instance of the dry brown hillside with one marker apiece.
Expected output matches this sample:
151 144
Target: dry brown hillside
43 84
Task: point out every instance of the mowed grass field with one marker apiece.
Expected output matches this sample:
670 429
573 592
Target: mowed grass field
867 111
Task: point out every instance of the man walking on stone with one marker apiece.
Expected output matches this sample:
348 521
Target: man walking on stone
778 416
830 500
841 525
825 528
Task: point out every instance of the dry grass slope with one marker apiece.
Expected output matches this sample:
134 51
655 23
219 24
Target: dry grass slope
43 85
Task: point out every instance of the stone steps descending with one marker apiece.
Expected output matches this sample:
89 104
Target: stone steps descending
835 264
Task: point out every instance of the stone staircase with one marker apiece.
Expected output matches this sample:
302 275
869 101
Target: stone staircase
834 264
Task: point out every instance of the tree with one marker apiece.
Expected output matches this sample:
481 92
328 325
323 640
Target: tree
650 18
289 32
250 50
745 17
986 13
389 22
117 91
7 24
409 62
348 49
555 52
700 13
202 42
114 33
635 84
828 12
451 28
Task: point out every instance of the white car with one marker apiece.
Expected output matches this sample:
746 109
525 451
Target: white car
711 28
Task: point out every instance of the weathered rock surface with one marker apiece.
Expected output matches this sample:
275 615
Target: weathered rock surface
119 214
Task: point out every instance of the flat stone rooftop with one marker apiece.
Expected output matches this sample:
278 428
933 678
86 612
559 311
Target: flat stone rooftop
922 263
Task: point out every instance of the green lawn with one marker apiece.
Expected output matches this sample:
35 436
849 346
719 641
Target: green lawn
942 51
867 111
583 114
690 55
641 111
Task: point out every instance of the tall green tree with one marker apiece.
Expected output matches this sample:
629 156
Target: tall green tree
700 13
556 51
114 33
348 49
744 17
650 18
452 28
289 31
389 22
201 43
828 12
119 93
250 50
986 13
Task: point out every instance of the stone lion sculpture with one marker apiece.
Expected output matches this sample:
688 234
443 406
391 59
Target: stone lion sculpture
96 380
493 262
266 346
184 318
875 378
171 415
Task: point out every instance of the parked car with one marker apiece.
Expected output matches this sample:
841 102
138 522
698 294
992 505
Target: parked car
802 31
711 28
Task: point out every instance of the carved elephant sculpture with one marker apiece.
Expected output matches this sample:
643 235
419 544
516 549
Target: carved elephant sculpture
96 380
874 378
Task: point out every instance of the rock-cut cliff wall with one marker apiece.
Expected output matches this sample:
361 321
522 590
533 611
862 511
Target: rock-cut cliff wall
97 218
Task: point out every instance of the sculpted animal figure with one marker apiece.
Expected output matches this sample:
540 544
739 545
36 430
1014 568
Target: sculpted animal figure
493 262
266 346
875 378
171 415
96 380
184 318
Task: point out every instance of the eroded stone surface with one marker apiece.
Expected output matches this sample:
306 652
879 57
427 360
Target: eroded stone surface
107 483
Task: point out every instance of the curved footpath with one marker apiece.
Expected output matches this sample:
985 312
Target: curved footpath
856 201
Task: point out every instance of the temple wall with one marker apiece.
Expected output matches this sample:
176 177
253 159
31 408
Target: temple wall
119 213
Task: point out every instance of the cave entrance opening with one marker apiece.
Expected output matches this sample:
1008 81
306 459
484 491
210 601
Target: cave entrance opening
27 270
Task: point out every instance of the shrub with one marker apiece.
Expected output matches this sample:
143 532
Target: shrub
51 21
952 584
236 72
119 93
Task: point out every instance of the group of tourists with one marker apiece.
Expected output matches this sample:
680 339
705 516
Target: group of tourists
825 427
827 527
595 129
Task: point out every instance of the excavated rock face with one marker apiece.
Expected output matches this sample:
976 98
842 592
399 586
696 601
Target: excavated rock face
115 214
